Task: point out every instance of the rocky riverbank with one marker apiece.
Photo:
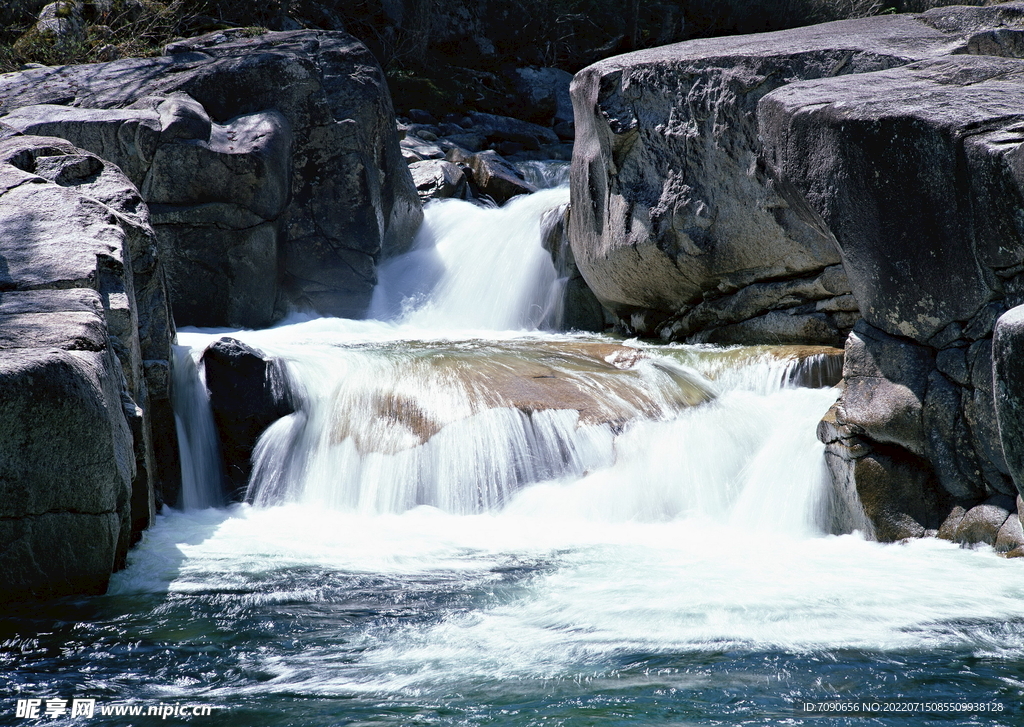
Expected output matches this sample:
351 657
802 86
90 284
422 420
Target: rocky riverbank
854 183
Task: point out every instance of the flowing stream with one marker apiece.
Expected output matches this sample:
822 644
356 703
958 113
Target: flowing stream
469 521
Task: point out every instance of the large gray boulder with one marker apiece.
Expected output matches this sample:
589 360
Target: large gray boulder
271 165
915 173
85 333
925 216
672 206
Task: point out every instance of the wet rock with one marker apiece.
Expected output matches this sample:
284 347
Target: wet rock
581 311
249 391
438 179
898 494
606 384
982 523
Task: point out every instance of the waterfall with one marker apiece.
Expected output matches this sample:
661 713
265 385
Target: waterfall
473 268
449 397
457 425
197 435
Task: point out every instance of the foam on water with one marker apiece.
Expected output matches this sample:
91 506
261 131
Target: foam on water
473 268
593 590
441 539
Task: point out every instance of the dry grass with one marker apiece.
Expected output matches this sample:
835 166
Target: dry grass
113 29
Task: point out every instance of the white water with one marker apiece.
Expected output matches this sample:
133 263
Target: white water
197 435
659 525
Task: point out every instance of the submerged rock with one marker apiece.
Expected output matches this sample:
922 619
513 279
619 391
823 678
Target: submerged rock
603 383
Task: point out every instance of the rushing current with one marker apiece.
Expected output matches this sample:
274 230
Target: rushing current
470 521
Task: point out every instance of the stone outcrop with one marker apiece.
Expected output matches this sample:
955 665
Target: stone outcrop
248 391
439 179
1008 389
676 224
85 345
270 163
914 172
580 310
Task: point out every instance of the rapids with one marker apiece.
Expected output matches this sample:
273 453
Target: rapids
472 521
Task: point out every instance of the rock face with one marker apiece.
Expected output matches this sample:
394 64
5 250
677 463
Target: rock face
85 344
270 163
1008 385
915 172
676 224
248 392
580 310
920 253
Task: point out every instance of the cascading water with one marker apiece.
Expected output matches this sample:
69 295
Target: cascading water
470 522
197 435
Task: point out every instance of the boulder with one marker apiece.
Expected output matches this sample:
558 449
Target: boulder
1008 379
543 95
886 381
983 523
671 202
438 179
914 172
248 391
290 134
415 149
496 129
1011 535
61 25
885 491
491 175
85 335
